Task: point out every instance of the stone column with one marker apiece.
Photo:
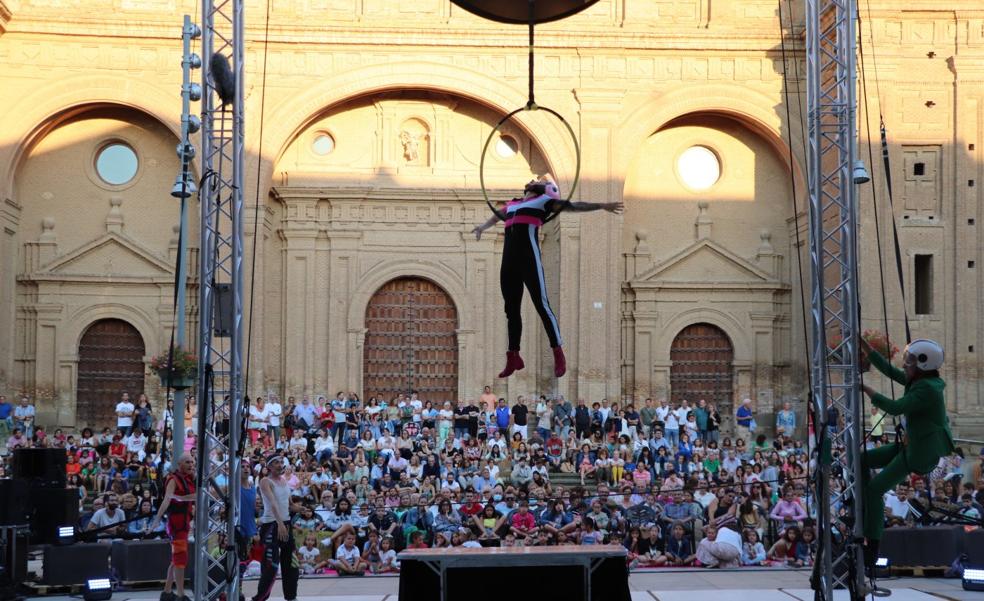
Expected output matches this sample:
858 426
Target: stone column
594 333
9 225
299 294
965 388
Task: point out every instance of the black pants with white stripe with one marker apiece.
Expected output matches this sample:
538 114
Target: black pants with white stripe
522 266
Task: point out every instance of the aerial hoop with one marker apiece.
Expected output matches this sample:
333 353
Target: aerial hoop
530 106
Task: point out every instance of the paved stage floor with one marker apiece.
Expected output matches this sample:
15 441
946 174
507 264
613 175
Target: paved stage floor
695 585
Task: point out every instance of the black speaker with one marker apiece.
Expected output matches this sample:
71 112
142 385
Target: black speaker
75 564
41 467
223 320
140 560
51 508
13 502
14 558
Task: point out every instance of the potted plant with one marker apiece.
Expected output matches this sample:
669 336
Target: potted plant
184 368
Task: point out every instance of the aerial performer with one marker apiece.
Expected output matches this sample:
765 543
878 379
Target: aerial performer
927 439
522 265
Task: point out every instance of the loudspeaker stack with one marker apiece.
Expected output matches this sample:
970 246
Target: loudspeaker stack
49 504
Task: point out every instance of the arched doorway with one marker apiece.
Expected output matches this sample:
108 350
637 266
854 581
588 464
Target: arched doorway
110 363
411 342
701 357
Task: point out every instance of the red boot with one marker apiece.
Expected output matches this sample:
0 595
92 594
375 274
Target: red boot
513 363
560 362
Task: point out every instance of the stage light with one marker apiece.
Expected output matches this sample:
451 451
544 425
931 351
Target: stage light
191 30
98 589
66 535
194 61
861 173
194 124
194 91
183 189
973 579
185 151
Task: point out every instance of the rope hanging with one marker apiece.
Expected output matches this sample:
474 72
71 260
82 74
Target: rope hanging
530 105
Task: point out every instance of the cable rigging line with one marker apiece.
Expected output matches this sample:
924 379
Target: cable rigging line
256 209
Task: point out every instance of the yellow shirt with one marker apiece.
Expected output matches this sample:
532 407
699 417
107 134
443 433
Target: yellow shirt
875 423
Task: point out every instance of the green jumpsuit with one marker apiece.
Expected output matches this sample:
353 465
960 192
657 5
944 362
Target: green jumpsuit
928 439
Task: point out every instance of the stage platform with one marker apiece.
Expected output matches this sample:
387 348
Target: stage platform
588 573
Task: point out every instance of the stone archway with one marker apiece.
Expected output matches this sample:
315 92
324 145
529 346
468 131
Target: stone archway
111 356
701 366
411 341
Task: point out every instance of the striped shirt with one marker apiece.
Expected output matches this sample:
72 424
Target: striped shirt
532 211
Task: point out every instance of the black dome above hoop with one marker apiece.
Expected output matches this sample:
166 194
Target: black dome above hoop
518 11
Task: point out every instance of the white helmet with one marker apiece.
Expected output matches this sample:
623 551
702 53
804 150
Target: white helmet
926 354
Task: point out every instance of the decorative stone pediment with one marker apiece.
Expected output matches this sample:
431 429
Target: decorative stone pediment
707 264
111 255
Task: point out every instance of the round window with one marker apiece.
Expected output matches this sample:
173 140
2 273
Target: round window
323 144
507 147
116 164
698 168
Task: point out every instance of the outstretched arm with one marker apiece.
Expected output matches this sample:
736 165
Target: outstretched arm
584 207
478 229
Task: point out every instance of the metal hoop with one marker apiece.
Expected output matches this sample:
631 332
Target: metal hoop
498 127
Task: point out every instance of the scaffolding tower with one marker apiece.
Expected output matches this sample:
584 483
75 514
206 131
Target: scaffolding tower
833 219
221 308
831 103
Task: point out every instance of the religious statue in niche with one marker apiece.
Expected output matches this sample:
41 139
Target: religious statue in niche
411 146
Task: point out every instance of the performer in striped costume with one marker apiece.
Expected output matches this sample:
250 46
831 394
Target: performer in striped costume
523 266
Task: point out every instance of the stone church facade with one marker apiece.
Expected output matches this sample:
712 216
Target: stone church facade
364 149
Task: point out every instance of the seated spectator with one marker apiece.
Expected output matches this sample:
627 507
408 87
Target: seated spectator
555 518
679 548
788 511
523 524
488 522
110 518
784 551
651 548
554 447
590 535
447 519
309 556
383 521
721 548
145 517
306 520
388 561
752 551
967 508
806 551
348 558
324 447
521 474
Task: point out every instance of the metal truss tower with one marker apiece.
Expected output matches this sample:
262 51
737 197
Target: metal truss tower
832 106
221 308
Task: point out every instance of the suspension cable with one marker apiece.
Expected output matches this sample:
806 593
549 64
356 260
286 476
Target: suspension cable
256 209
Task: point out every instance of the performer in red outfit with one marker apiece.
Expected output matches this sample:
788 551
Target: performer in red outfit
179 497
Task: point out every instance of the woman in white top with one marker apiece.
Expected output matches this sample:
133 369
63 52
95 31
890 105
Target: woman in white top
259 417
444 419
386 445
373 412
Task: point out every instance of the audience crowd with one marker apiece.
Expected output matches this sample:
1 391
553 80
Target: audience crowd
380 476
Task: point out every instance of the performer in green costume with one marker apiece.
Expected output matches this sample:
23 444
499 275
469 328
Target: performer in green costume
928 436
